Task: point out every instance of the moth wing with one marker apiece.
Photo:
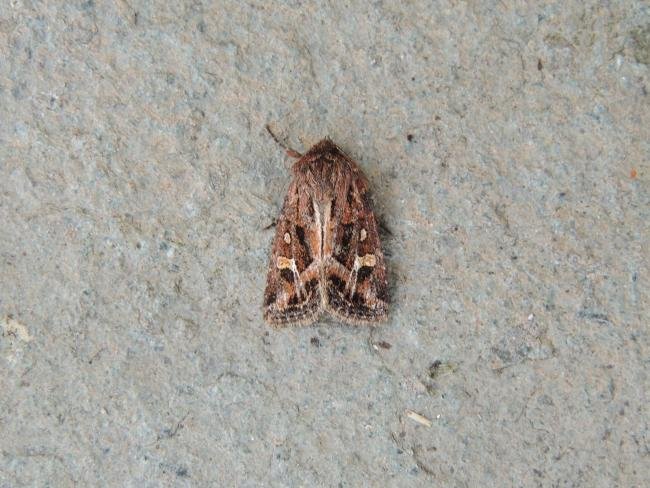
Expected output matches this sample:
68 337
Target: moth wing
292 295
355 271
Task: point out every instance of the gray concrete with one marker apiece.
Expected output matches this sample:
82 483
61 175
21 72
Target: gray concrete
137 180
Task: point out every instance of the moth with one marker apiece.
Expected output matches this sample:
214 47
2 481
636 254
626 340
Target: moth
326 255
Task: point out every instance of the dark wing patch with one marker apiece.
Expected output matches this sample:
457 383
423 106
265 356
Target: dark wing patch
344 238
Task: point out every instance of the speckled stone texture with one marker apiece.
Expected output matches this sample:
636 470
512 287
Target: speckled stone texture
508 149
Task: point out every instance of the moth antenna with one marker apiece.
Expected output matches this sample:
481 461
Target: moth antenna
290 152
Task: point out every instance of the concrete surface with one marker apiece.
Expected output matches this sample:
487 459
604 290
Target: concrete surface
507 146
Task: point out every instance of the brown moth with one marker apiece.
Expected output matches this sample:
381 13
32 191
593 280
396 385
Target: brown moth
326 255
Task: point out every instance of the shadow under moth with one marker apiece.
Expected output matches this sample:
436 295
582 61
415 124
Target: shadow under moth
326 255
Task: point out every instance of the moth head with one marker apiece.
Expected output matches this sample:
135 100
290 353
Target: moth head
323 146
